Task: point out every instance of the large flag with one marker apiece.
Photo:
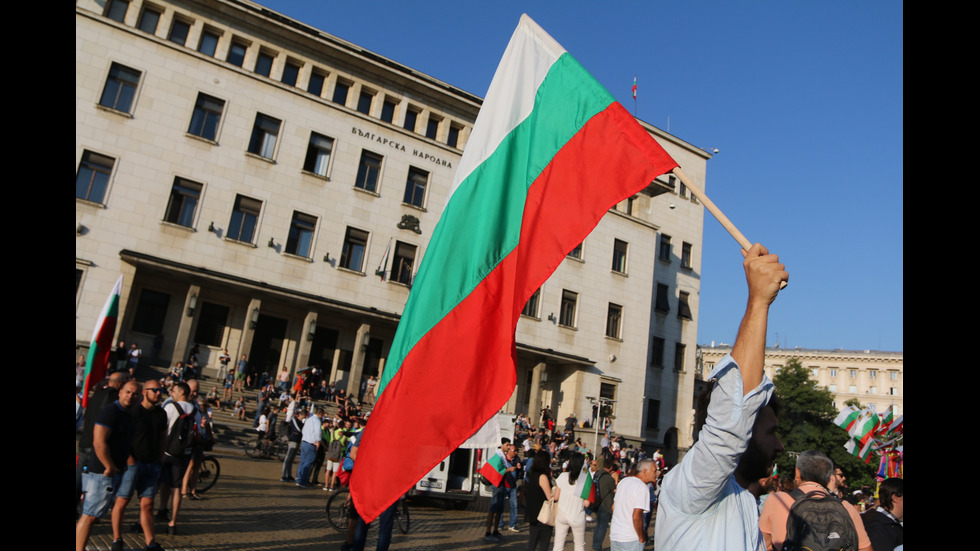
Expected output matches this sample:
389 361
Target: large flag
551 151
493 470
96 364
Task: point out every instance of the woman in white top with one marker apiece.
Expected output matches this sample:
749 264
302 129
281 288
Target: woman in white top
571 506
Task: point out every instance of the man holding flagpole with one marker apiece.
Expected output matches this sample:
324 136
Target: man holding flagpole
705 502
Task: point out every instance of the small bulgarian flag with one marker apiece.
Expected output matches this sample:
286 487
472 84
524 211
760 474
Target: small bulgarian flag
634 86
551 151
588 490
97 362
847 417
493 469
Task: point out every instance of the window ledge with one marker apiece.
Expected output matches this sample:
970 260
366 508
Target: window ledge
243 243
575 258
349 271
416 207
315 175
114 111
298 257
90 203
190 229
535 318
367 191
260 157
621 274
399 284
201 138
616 339
569 327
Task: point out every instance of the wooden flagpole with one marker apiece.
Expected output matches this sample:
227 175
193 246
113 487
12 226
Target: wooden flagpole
716 212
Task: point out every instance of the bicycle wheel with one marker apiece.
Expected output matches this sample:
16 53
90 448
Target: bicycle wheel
253 449
402 517
208 475
279 448
337 512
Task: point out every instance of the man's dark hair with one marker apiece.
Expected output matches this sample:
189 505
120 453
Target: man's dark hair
704 400
185 388
889 488
815 466
504 440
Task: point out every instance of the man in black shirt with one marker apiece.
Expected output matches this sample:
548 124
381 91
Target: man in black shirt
143 472
111 441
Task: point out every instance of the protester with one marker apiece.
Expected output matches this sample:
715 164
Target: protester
539 491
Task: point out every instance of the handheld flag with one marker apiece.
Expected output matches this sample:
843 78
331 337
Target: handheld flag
634 86
551 151
97 362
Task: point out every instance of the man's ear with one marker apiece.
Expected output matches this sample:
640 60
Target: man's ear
798 479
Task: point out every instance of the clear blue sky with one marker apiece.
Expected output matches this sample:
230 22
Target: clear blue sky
804 100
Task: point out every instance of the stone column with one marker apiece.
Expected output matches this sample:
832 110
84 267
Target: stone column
245 346
357 359
304 344
335 366
534 406
184 328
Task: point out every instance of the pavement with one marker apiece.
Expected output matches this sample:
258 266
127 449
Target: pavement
249 508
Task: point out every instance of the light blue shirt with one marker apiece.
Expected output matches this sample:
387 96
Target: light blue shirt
702 507
311 430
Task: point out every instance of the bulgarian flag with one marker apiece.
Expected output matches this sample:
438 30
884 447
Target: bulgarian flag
493 470
551 151
588 490
634 86
96 365
847 417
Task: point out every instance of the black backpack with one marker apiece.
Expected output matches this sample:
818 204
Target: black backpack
181 435
818 521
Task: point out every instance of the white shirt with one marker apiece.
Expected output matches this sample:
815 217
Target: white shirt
702 507
631 493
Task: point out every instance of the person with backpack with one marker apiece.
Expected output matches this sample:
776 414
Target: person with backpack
811 517
180 438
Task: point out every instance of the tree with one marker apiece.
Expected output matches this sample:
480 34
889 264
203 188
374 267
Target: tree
806 422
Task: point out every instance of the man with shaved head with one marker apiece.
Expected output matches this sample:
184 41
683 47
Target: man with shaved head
111 441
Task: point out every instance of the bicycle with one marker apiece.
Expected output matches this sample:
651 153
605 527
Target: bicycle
261 448
208 473
340 512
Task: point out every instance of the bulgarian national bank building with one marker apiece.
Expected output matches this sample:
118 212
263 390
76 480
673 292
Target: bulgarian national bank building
268 188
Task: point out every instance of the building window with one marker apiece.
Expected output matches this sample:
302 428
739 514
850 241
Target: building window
411 119
682 190
832 388
211 323
92 178
415 186
893 391
663 304
814 372
852 389
207 115
833 372
653 413
315 86
569 305
179 30
236 53
184 197
453 139
893 375
614 321
686 255
120 88
318 154
576 252
665 247
116 10
776 369
532 305
619 256
263 65
657 349
340 92
388 110
151 311
873 390
300 240
684 307
355 244
364 102
432 127
209 42
679 350
872 374
853 373
368 171
403 263
244 219
264 135
290 73
149 19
